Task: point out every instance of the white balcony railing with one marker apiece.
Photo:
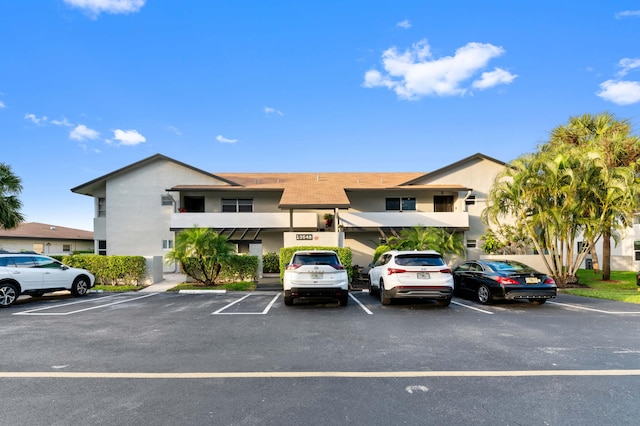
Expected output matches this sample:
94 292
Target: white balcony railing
404 219
243 220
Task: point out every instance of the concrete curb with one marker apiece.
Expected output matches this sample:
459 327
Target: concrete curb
202 291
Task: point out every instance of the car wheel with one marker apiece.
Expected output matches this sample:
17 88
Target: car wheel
344 299
444 302
484 295
373 290
8 294
384 299
537 301
80 287
288 300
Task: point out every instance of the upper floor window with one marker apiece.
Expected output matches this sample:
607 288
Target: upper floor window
443 203
233 205
471 200
194 204
166 200
102 207
400 204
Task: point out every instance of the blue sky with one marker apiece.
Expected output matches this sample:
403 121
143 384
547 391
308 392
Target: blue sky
89 86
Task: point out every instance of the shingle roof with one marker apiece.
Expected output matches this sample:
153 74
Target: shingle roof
44 231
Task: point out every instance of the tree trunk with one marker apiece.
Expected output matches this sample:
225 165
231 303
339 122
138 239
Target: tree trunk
606 255
594 257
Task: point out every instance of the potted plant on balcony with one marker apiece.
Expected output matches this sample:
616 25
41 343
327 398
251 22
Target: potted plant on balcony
328 219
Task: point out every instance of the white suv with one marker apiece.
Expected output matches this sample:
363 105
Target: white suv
411 274
315 274
35 275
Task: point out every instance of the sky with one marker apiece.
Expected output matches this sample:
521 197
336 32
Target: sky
90 86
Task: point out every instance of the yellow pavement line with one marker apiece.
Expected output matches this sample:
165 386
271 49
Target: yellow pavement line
312 374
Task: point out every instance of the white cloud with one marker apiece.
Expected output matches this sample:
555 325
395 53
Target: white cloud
627 13
128 137
493 78
627 64
174 130
269 110
404 24
222 139
620 92
95 7
2 104
64 122
415 73
35 120
82 132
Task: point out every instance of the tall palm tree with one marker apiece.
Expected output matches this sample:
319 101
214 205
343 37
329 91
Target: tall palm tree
430 238
201 253
10 204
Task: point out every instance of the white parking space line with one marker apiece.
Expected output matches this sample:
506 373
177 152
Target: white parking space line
572 306
364 308
30 311
472 307
33 312
264 312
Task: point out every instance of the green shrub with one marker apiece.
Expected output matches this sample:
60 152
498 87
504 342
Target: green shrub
271 263
344 254
110 270
238 268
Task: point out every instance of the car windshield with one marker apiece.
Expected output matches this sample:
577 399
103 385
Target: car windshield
419 260
315 259
508 266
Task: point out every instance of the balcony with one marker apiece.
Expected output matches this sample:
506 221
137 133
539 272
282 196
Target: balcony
374 220
243 220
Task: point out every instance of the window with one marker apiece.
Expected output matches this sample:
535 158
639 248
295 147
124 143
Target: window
38 248
234 205
166 200
102 207
66 247
636 249
167 244
472 243
102 247
471 200
194 204
400 204
443 203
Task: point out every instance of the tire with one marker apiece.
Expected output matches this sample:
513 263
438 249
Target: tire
484 295
80 286
444 302
373 290
288 300
384 299
343 300
537 301
8 294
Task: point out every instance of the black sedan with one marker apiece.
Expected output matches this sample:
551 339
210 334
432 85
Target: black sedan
492 280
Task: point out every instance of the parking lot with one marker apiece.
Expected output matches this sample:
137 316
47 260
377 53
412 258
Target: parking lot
246 358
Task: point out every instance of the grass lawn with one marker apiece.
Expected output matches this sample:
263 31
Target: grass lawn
622 286
239 286
117 288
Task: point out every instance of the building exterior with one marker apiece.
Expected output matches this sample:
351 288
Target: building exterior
45 239
139 208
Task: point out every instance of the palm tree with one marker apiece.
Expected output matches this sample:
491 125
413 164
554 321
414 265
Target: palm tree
10 204
429 238
201 253
620 149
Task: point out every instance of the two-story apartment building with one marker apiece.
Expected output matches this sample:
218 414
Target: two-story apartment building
141 207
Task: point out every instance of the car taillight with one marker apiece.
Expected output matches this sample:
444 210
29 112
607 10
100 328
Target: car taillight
549 280
445 271
338 267
506 280
293 266
392 271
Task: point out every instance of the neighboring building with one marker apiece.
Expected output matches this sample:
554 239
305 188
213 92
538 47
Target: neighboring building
45 239
140 207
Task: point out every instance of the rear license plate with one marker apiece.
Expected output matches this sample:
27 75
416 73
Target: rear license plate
316 276
531 280
423 275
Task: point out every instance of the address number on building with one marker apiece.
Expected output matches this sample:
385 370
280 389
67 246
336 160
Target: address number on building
304 236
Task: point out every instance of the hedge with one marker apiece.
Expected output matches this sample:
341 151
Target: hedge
110 270
271 263
344 254
237 267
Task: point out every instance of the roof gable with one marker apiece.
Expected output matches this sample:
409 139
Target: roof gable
443 171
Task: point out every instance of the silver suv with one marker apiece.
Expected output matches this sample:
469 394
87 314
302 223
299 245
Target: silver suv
315 274
34 274
411 274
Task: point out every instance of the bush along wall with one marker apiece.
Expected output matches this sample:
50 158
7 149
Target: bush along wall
344 254
110 270
271 263
239 268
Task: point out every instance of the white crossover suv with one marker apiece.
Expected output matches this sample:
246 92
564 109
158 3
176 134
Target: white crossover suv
411 274
35 275
315 274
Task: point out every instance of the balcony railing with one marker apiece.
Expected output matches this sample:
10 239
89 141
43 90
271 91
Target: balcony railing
404 219
243 220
